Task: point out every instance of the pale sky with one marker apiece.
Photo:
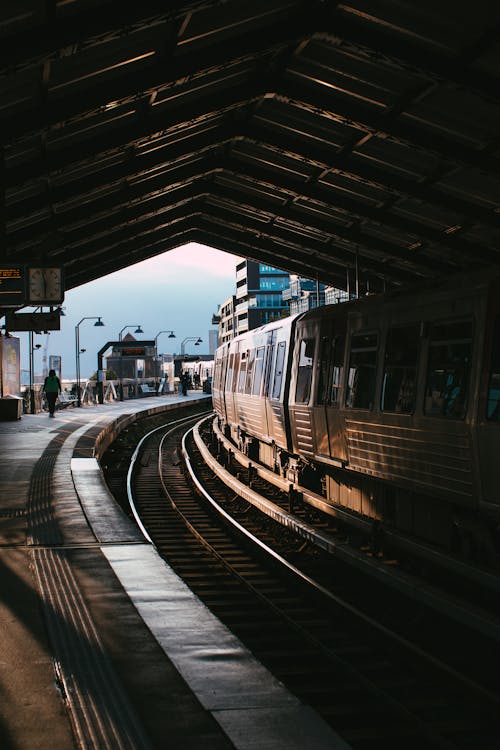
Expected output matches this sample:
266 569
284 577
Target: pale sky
179 290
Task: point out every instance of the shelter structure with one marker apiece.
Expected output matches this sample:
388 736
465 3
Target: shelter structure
357 142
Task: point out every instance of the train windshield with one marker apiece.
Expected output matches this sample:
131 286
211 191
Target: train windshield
278 370
493 403
304 372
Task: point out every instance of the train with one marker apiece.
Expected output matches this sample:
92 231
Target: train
199 371
385 409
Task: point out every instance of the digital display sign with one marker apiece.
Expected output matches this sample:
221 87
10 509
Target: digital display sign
12 286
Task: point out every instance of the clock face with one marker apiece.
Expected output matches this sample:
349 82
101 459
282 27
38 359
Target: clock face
45 284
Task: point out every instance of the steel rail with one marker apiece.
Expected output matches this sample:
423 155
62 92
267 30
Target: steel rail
131 468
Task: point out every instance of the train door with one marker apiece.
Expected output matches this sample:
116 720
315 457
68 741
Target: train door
268 369
330 381
232 372
218 396
221 379
489 420
301 404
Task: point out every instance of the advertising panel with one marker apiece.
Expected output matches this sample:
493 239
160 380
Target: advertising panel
10 369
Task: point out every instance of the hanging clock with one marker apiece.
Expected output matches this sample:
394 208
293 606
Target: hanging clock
45 285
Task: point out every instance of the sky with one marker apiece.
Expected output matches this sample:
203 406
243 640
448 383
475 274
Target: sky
179 290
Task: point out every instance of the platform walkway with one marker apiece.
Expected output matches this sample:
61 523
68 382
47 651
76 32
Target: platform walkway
101 645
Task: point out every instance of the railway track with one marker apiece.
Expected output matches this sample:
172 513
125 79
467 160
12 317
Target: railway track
334 644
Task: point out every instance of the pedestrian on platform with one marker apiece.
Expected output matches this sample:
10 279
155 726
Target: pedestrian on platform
52 388
184 383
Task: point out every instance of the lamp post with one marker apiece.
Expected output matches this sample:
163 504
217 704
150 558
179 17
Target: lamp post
197 341
77 350
171 335
137 330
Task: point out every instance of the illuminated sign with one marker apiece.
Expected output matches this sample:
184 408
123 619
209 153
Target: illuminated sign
137 351
12 286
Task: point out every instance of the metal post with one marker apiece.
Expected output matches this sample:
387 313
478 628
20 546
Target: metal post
357 273
32 387
120 386
77 350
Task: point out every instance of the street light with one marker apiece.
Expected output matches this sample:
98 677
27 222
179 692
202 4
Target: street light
171 335
78 351
197 341
137 330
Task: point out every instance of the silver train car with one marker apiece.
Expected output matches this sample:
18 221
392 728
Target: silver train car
387 407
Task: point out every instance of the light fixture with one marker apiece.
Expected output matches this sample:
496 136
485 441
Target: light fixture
197 341
138 329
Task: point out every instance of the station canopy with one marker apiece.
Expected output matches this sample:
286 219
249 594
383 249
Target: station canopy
319 137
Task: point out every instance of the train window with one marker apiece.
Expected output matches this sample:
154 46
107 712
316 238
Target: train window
448 369
400 370
304 372
242 372
493 403
259 368
362 371
248 379
330 371
278 370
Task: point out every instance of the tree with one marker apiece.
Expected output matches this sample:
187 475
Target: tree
110 375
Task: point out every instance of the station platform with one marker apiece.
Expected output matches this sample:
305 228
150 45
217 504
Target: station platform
102 646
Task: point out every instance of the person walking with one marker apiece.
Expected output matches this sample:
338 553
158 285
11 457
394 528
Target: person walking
184 383
52 388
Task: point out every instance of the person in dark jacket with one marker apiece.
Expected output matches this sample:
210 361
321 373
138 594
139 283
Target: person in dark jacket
184 383
52 388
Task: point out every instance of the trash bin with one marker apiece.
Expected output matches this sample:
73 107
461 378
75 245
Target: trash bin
11 407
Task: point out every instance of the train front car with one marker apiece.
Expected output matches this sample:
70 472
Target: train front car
251 390
393 414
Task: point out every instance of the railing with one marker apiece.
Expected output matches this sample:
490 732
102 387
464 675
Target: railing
132 388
